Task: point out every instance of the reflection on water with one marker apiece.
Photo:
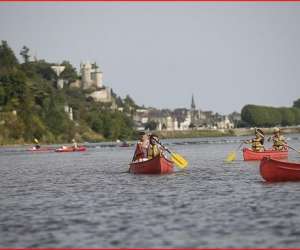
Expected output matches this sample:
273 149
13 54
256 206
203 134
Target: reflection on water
87 200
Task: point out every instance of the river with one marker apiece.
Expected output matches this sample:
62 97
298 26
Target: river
87 200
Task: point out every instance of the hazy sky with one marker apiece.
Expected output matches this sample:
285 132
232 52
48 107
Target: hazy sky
226 54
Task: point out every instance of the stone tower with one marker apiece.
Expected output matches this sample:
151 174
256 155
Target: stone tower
97 77
193 112
86 77
193 106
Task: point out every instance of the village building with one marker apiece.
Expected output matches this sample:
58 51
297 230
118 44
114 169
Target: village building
180 119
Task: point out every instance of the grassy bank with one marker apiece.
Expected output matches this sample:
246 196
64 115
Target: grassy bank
193 133
221 132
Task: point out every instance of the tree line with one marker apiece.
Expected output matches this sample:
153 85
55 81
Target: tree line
32 107
263 116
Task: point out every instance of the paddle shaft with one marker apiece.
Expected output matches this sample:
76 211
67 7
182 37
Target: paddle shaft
240 146
162 146
293 148
290 147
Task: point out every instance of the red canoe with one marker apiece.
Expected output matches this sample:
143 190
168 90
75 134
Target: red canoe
250 155
274 171
70 149
157 165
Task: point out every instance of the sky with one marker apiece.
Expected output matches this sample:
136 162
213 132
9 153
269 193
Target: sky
226 54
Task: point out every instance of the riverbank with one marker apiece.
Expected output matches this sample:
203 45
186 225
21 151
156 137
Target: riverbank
220 132
178 134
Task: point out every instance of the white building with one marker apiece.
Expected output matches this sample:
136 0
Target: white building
91 76
92 79
69 111
225 123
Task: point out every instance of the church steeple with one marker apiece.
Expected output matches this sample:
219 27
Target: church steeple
193 106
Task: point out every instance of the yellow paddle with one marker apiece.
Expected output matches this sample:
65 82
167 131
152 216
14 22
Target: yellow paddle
232 155
176 158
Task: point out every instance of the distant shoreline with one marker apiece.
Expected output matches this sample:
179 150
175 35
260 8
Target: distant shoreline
220 132
184 134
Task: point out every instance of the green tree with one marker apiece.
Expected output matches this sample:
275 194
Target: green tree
296 103
288 117
8 59
14 87
2 96
129 101
297 115
28 89
151 125
261 115
25 54
69 73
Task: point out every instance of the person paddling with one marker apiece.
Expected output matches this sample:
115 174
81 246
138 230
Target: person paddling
257 143
153 149
37 144
279 142
141 149
75 145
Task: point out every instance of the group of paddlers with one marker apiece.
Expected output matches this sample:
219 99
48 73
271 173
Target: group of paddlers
147 147
257 143
38 146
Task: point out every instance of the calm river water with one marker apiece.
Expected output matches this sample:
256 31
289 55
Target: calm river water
85 199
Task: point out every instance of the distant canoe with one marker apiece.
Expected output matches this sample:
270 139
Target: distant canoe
70 149
34 149
275 171
157 165
250 155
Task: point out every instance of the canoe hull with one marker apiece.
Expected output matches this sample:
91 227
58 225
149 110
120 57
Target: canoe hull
277 171
250 155
70 149
157 165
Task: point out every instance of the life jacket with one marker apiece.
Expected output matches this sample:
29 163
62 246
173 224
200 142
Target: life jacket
278 142
140 152
153 151
257 144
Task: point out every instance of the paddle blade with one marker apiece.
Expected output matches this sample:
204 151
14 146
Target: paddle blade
231 157
179 160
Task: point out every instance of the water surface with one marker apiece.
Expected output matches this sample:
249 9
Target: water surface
86 199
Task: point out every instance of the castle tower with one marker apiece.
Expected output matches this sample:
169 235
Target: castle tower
86 70
98 78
